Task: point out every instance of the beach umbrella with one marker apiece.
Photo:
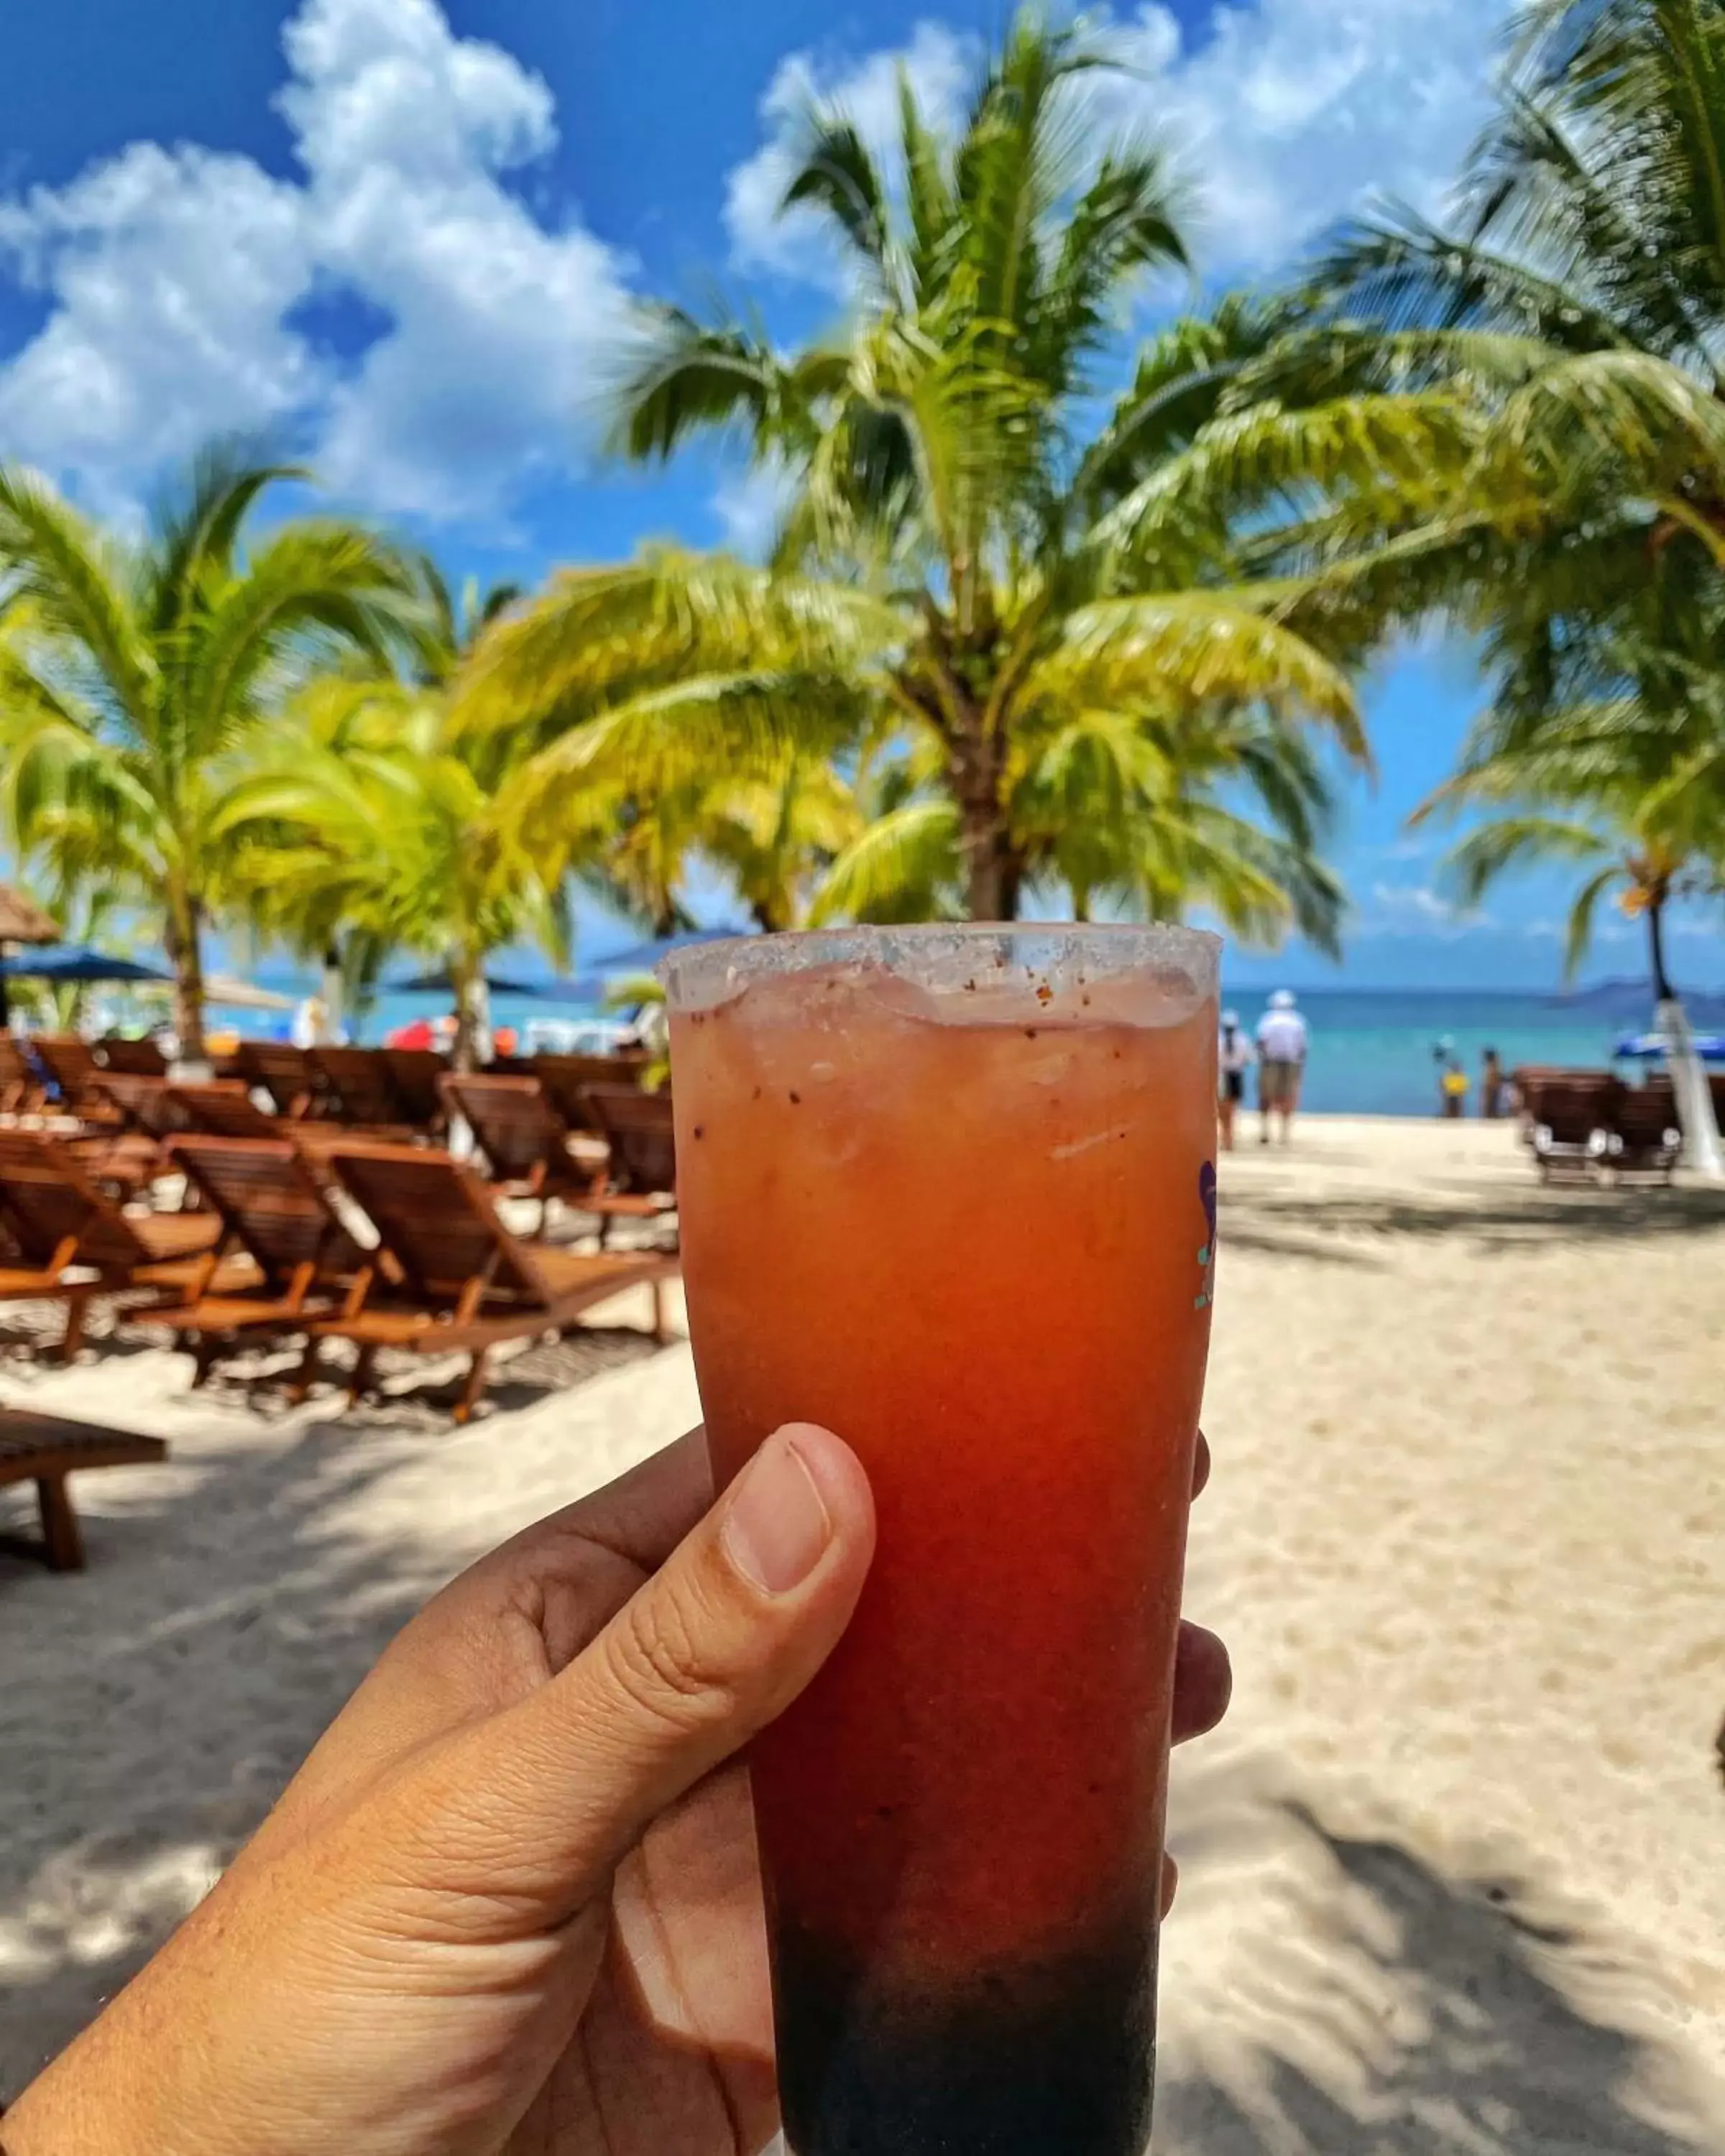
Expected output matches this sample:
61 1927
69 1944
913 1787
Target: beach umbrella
642 957
438 982
1648 1047
231 993
78 963
21 921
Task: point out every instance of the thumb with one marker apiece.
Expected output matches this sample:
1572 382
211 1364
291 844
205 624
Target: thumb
539 1804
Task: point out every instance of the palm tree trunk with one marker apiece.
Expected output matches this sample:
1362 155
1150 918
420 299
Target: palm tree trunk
991 873
1703 1153
185 954
467 977
330 995
1663 992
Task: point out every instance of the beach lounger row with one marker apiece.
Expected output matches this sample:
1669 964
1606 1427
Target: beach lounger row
1580 1122
619 1164
383 1246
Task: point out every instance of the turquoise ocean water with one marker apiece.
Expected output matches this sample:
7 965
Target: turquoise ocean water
1371 1049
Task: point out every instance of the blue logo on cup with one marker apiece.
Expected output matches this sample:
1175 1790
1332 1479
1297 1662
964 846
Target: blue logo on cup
1207 1252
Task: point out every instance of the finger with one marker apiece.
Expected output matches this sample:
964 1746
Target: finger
1200 1465
1204 1682
1170 1883
539 1804
502 1628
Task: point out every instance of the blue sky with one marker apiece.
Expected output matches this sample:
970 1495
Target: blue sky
400 237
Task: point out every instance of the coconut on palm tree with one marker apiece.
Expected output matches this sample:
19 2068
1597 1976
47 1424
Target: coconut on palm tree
961 583
135 673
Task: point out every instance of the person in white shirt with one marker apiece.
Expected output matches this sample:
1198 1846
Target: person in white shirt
1234 1056
1282 1042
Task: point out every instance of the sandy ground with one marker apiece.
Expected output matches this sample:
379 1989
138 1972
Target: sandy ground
1453 1874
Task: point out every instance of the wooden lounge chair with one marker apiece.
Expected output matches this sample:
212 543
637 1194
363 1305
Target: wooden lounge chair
640 1180
465 1284
523 1139
20 1088
147 1105
74 1074
284 1075
74 1244
361 1093
128 1157
1570 1117
1643 1136
276 1213
224 1108
44 1449
416 1074
132 1059
566 1079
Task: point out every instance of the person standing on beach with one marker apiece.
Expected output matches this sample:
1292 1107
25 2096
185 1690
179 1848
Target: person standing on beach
1490 1085
1282 1044
1452 1089
1234 1057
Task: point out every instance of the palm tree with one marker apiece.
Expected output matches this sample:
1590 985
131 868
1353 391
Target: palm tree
1561 341
997 585
399 836
1600 786
1586 793
135 674
337 727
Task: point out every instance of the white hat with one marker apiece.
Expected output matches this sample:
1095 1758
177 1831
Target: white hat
1231 1018
1283 999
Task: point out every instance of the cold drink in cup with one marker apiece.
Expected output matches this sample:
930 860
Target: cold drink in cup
950 1192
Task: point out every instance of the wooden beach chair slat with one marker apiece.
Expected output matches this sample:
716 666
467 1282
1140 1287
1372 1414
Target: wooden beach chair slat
274 1210
465 1282
416 1074
360 1089
284 1073
132 1059
525 1144
566 1078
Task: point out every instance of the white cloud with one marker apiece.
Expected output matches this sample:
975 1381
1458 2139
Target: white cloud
1288 112
940 65
172 272
751 503
1397 908
175 275
1295 110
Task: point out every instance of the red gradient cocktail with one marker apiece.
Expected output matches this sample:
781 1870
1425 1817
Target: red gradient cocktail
950 1192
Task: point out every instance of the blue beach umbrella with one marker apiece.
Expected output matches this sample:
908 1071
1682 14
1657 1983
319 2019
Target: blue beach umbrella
77 962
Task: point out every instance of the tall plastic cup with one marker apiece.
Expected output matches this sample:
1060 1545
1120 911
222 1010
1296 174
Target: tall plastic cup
950 1193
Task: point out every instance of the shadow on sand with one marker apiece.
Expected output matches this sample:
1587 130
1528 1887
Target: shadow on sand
1481 1217
1442 2018
156 1705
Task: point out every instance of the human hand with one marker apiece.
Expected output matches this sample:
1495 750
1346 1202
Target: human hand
509 1906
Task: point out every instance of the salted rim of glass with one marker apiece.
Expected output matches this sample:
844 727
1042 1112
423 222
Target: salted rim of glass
944 956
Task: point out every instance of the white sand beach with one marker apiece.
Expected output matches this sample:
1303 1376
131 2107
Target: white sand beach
1454 1872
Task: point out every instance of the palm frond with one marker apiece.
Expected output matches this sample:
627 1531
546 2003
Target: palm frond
902 866
1197 646
834 173
76 585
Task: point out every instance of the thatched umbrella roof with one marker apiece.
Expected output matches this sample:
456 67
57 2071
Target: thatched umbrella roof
23 922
